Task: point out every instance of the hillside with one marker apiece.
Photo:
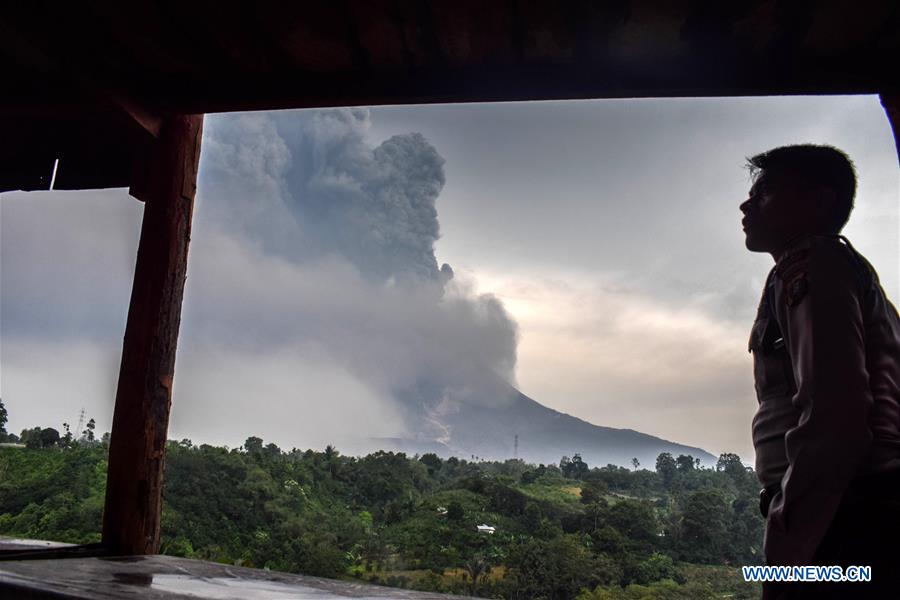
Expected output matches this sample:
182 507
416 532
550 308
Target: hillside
609 533
485 424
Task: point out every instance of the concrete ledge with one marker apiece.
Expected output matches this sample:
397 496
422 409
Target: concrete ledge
8 543
169 577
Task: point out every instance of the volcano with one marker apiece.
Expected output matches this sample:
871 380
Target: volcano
499 422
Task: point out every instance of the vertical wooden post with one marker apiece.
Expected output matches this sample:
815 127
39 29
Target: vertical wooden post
167 183
891 104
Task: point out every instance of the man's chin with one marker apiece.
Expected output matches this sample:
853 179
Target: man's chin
753 244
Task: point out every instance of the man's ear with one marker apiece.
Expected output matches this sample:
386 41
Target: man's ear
824 202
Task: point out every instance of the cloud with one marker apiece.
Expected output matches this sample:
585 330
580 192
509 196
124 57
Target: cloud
391 336
615 355
308 185
313 292
350 265
47 382
67 261
295 395
647 186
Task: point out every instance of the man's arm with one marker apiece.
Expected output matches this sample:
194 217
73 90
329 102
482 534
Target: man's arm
819 307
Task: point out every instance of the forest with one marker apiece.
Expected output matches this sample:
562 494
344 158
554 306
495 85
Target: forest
487 529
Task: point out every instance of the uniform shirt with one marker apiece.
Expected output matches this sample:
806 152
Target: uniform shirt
826 353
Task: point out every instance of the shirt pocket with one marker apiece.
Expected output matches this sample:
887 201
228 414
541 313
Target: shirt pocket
771 371
755 346
757 334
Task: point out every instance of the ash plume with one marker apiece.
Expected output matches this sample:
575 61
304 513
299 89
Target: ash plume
309 238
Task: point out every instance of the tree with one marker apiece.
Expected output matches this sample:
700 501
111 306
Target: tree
67 438
89 430
636 521
49 437
580 468
704 526
253 445
666 467
732 466
608 540
4 417
685 463
272 450
476 566
532 516
40 438
287 511
558 568
332 460
455 511
386 483
505 499
31 437
745 532
433 462
529 476
574 468
593 491
635 463
655 567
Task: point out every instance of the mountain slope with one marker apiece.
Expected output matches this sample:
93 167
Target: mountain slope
478 424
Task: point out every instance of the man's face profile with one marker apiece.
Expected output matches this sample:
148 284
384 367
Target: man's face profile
777 210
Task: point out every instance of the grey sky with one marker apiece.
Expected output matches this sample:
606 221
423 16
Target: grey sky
609 230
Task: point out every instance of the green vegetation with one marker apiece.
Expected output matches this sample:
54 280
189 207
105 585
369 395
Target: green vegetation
4 417
567 531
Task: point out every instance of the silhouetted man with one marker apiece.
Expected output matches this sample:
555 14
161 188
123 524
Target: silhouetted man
826 354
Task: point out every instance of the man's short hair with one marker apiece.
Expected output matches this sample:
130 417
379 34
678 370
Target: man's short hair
816 165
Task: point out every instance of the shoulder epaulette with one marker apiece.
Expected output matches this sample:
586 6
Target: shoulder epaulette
787 267
792 270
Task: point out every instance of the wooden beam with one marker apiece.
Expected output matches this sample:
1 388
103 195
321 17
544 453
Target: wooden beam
131 516
145 119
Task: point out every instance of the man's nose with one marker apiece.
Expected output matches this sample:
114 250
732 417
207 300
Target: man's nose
745 206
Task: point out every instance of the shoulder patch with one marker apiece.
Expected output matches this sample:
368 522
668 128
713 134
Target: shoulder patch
795 288
789 266
793 271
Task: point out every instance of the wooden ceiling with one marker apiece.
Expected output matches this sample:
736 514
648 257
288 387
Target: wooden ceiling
88 82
